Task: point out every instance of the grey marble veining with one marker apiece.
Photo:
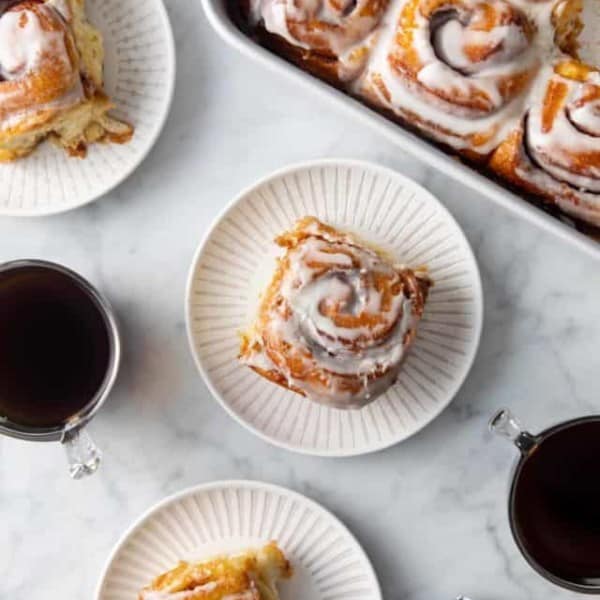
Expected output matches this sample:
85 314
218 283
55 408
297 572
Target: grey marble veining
431 512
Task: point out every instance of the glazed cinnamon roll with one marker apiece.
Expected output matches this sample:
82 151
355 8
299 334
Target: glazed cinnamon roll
455 69
337 319
555 153
51 79
332 38
496 82
251 575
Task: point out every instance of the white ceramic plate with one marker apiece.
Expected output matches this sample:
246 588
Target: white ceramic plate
236 260
229 516
139 77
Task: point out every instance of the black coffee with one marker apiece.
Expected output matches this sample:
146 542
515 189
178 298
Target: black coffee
54 347
556 504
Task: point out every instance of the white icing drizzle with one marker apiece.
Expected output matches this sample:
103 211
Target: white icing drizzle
446 67
24 46
587 117
575 130
346 27
514 54
274 14
22 43
328 280
452 39
246 575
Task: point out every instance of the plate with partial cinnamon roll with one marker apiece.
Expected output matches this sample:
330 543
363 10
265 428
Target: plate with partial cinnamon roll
510 87
335 308
238 540
85 88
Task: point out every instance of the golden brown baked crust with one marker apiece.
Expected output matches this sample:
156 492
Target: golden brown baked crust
252 575
470 86
566 19
58 93
555 152
334 48
337 319
452 71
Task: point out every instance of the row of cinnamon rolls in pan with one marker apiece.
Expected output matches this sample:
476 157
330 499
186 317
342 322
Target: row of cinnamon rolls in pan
497 82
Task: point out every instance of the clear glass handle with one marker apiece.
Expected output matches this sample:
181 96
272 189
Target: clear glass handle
506 425
83 455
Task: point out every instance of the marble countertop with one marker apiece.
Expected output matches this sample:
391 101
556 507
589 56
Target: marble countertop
431 512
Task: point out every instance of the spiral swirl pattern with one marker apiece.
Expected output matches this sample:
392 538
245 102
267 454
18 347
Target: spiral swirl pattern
464 73
456 68
555 153
335 30
562 133
327 26
465 54
337 319
39 64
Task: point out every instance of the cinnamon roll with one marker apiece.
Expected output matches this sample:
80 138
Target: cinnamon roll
496 82
555 153
331 38
251 575
337 319
455 69
51 79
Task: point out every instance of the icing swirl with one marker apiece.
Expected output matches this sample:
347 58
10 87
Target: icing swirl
336 29
337 319
38 62
457 68
562 134
561 139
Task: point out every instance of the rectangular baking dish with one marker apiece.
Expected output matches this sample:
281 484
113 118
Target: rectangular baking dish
216 11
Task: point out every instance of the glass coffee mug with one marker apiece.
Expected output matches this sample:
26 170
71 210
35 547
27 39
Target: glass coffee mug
554 500
59 357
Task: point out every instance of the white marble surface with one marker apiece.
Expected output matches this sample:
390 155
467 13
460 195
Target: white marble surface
430 512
